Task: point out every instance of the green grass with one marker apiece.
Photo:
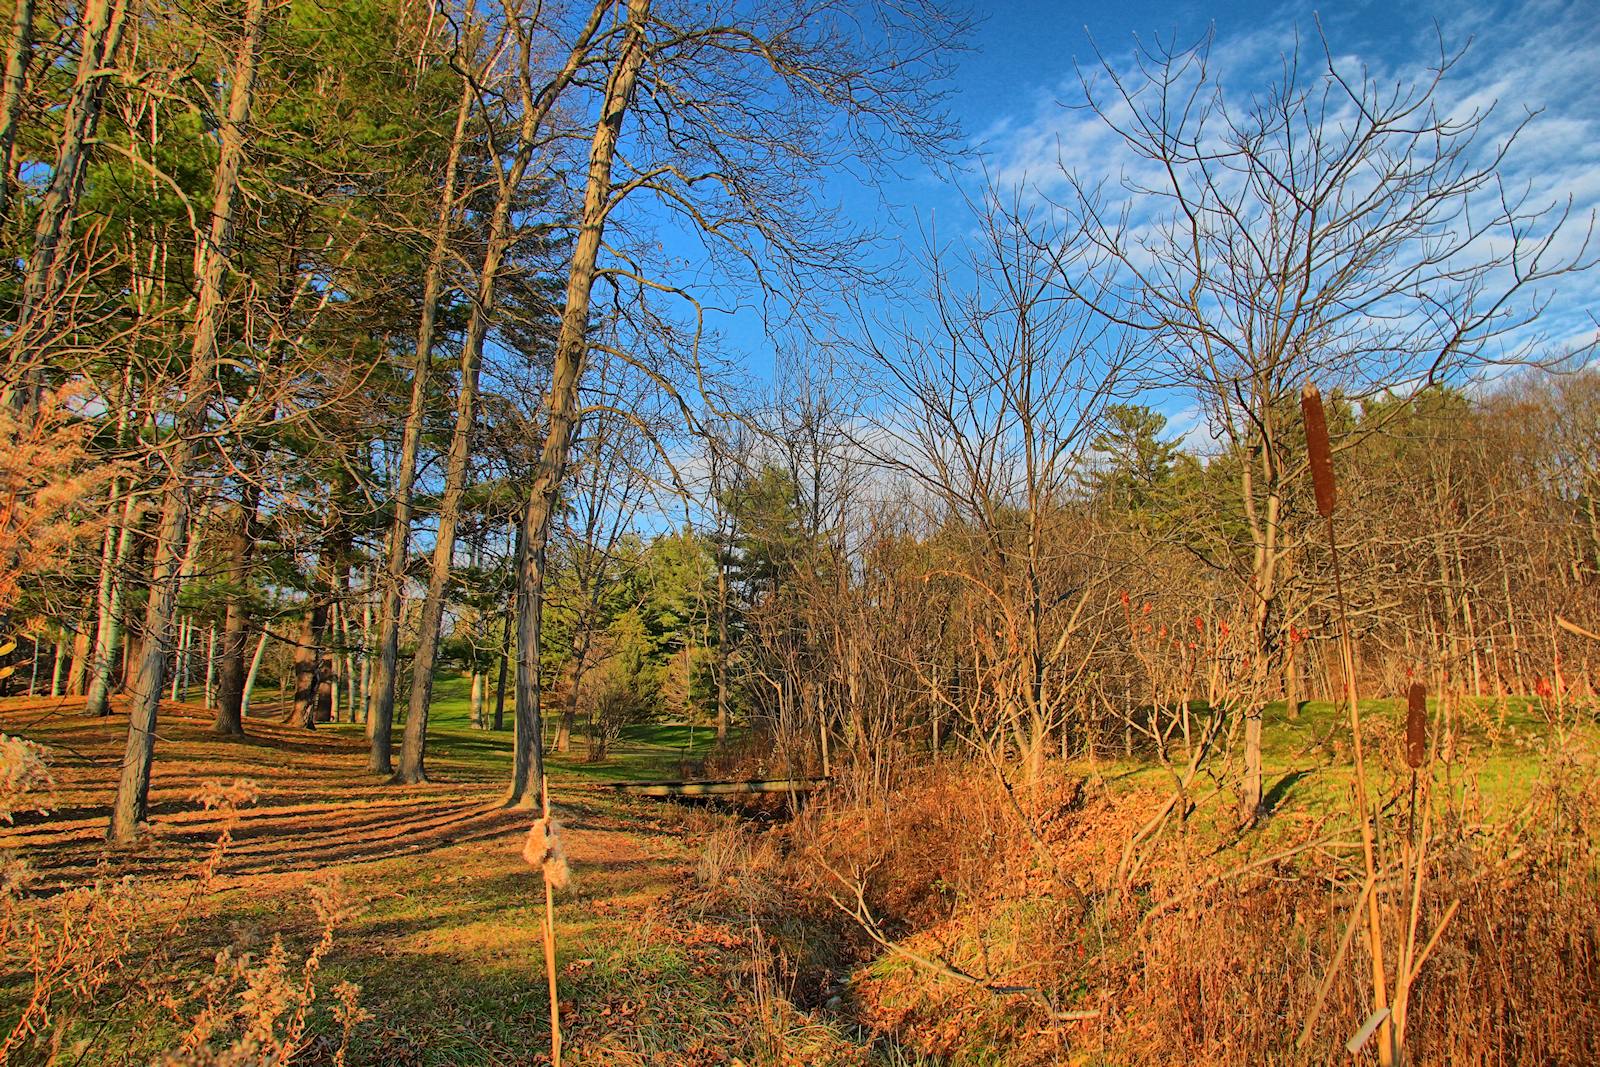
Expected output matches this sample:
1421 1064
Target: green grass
646 751
1307 760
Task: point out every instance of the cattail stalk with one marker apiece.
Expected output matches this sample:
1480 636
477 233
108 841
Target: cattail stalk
550 941
1321 461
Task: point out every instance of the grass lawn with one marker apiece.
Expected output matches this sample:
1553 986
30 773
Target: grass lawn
442 917
442 930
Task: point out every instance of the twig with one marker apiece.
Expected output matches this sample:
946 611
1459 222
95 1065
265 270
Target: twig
1333 967
865 919
1572 627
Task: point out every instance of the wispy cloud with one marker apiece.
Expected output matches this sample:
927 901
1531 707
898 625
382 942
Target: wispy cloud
1529 67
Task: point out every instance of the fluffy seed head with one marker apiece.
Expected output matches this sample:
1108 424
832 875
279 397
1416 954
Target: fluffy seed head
543 852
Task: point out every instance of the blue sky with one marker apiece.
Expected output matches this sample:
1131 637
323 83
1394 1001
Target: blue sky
1011 85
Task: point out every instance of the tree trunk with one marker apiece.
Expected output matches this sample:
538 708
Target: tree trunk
250 678
101 37
109 632
347 666
78 680
211 665
102 600
414 745
310 677
211 262
1264 590
235 622
527 746
380 719
19 53
505 636
722 646
366 651
180 656
580 657
571 355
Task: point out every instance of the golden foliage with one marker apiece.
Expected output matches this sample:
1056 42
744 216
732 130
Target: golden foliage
45 477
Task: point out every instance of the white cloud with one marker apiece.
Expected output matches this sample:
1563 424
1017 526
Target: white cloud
1529 68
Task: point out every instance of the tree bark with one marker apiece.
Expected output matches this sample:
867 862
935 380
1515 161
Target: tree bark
414 745
211 263
101 37
505 636
78 679
580 657
308 673
19 54
571 356
722 645
235 622
380 717
108 634
250 678
180 655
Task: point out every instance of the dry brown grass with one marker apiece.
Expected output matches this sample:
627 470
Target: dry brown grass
445 944
1216 953
93 968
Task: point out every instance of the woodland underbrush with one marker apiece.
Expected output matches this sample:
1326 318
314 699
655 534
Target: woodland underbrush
975 920
128 969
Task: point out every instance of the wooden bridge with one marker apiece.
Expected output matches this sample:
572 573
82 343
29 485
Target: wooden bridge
730 787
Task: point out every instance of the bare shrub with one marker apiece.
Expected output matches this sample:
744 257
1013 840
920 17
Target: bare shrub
25 781
99 958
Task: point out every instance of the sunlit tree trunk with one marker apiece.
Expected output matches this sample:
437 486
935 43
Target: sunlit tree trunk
235 622
78 679
380 715
250 678
414 745
498 239
211 262
108 634
100 39
572 350
19 53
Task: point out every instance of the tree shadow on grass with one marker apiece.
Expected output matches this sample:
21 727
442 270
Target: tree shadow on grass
1280 791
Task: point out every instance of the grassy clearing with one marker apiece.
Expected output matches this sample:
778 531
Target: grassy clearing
645 751
442 921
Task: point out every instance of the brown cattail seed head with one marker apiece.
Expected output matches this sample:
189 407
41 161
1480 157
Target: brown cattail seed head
1416 725
1321 453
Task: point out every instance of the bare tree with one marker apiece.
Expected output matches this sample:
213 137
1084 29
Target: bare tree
1329 227
734 114
994 409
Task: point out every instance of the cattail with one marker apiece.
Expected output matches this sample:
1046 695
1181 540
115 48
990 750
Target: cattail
1317 445
544 853
1416 725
